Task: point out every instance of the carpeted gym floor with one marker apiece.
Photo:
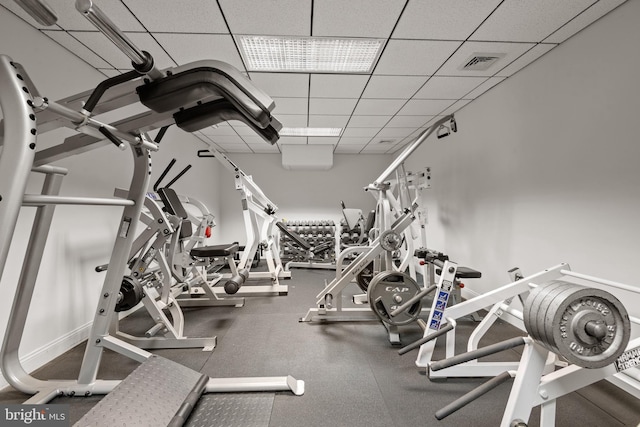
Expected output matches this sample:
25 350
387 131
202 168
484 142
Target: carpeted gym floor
353 376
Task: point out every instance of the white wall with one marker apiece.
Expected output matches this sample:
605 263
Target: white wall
81 237
544 168
299 195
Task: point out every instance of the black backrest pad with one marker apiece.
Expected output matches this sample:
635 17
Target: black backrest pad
195 85
218 111
293 236
172 202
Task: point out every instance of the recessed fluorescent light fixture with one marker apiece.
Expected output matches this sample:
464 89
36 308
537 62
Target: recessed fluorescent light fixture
309 54
310 131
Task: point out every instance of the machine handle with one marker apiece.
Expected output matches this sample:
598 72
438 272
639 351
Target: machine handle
443 330
417 297
111 137
476 354
472 395
106 84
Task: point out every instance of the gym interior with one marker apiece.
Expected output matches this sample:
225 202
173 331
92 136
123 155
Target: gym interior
225 263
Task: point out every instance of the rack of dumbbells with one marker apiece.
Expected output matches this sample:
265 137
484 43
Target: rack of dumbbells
314 245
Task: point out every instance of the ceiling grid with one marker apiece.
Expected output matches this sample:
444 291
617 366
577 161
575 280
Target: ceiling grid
416 78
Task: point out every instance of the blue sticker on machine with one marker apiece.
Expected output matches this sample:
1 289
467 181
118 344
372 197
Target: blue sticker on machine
435 324
443 296
437 315
440 305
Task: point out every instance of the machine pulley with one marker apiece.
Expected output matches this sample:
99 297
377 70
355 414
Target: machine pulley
390 289
390 240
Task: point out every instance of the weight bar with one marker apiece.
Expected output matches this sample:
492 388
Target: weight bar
588 327
417 297
476 354
443 330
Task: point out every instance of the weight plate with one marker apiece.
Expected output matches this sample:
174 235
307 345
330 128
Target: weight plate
390 241
390 289
364 277
130 294
588 327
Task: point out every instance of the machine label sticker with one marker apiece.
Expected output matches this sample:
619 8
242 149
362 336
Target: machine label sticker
447 285
153 196
437 315
34 415
435 324
124 227
440 305
443 296
628 359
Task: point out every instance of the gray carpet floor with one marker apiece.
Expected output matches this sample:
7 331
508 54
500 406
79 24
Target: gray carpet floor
353 376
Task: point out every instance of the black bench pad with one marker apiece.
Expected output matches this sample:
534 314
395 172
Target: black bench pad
464 273
215 250
293 236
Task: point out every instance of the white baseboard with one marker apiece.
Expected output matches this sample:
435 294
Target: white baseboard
45 354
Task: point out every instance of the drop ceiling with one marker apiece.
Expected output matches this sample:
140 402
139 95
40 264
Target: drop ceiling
417 77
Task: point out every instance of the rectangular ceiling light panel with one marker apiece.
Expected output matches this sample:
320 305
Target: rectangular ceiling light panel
285 131
309 54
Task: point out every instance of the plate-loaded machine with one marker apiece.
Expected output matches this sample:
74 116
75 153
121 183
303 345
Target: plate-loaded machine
191 96
389 287
589 328
259 214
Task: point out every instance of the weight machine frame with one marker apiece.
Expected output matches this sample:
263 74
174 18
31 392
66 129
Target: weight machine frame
25 114
391 217
258 212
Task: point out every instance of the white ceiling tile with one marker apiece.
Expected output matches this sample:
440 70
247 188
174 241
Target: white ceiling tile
296 106
170 16
235 148
284 140
399 87
443 19
226 139
292 120
534 53
282 18
99 44
109 72
511 51
452 108
282 84
376 149
358 140
326 140
241 128
587 17
13 7
349 149
414 57
488 84
360 132
70 19
264 148
185 48
427 107
374 107
331 106
368 121
407 121
321 121
528 21
439 87
254 140
80 50
397 133
337 86
355 18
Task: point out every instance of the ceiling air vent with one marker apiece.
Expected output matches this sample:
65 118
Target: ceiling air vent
481 61
386 141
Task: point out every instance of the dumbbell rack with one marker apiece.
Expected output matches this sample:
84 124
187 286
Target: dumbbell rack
316 233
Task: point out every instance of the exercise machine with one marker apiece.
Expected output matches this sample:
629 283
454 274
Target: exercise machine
259 214
385 260
191 96
587 328
308 244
